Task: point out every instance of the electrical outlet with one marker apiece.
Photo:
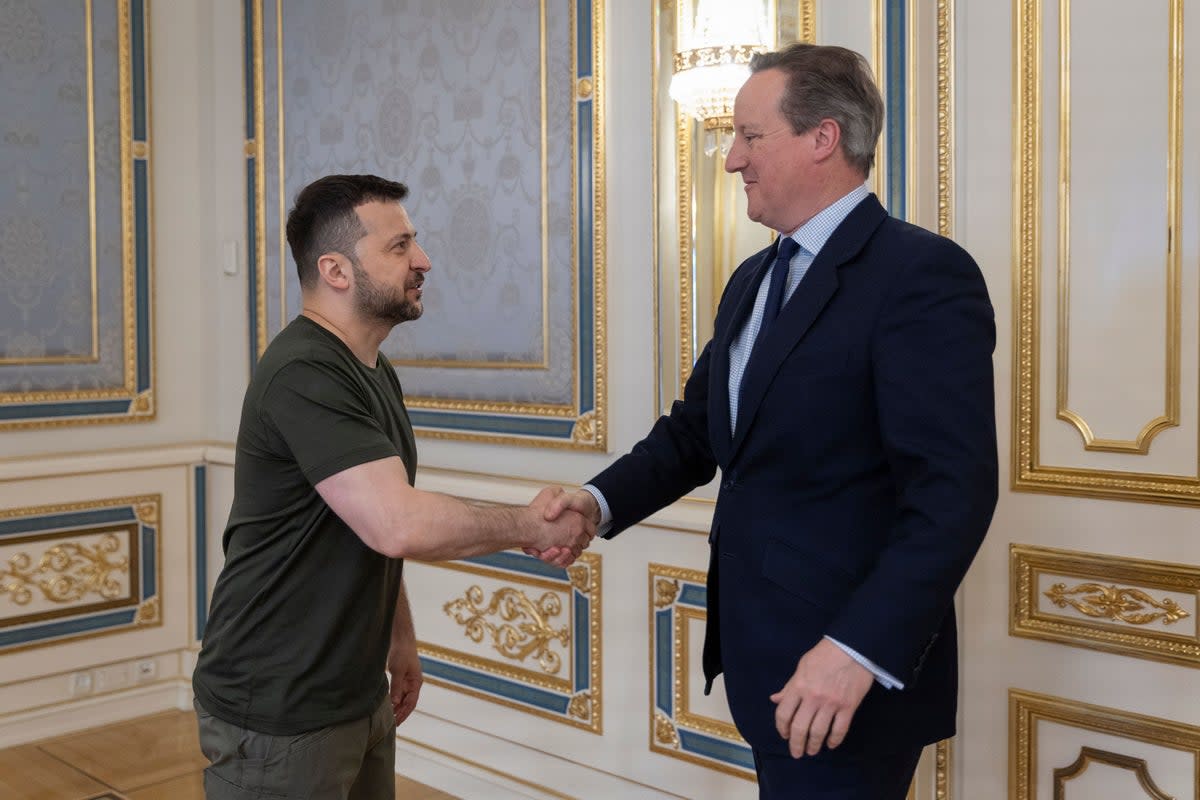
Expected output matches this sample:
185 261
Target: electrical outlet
146 670
112 677
81 684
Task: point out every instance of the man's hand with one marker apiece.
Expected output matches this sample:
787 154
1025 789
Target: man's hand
580 501
820 699
405 668
559 537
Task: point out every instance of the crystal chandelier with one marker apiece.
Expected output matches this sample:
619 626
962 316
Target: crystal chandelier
712 62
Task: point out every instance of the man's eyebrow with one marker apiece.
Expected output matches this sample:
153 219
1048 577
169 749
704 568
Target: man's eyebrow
400 238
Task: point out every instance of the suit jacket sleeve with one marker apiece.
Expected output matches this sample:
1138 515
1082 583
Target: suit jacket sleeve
931 356
674 458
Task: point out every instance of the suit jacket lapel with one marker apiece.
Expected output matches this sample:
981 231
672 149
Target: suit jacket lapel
801 311
719 388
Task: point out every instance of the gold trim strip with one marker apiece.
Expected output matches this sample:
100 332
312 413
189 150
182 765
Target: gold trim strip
1170 417
945 116
1028 563
808 20
1027 709
1089 755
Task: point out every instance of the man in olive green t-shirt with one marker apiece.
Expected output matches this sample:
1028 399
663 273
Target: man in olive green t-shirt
310 609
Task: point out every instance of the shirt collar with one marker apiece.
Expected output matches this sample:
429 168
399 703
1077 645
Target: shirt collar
813 234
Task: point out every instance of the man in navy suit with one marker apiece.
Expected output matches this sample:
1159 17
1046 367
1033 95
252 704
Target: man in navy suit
847 397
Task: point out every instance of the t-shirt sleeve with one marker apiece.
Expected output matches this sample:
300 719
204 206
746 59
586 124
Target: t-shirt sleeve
322 414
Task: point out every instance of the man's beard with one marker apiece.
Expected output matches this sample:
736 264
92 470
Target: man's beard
387 305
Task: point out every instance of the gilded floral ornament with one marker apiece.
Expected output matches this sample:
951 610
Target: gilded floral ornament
147 613
580 707
1110 602
580 577
67 572
665 592
585 428
664 730
526 631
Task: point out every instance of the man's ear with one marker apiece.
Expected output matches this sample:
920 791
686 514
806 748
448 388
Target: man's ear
334 270
827 137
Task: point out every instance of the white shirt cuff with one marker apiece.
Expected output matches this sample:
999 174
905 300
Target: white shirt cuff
605 513
883 677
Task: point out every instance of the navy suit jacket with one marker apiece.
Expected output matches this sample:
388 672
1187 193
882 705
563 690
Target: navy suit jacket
860 481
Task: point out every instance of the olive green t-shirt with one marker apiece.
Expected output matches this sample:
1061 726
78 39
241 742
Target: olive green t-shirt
298 634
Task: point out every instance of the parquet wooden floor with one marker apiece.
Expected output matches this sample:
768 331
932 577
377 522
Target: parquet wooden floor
149 758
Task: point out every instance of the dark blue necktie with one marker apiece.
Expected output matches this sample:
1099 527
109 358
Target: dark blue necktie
779 275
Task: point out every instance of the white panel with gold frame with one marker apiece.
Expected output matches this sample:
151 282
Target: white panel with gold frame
512 630
1062 749
1146 609
1106 252
79 570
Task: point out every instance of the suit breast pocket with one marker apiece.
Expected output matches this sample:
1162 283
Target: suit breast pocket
806 575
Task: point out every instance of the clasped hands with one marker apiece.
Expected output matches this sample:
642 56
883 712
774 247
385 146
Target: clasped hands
563 525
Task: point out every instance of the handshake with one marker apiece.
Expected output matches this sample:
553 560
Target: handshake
561 525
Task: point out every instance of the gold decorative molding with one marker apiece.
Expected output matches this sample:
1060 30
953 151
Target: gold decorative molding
1114 593
68 571
665 592
148 613
580 707
1026 710
945 117
584 431
580 576
808 21
664 731
1090 755
943 768
1110 602
570 681
530 636
1028 473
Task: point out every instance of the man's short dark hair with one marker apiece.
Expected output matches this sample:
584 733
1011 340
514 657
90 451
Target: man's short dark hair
829 82
323 219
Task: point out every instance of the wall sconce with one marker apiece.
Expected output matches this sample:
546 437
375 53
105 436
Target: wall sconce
711 63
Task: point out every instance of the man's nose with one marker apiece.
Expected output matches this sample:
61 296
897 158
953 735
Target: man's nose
421 263
734 160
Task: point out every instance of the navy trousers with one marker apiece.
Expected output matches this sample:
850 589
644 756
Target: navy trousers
831 776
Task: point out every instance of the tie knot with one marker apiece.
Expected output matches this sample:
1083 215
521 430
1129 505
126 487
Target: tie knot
788 247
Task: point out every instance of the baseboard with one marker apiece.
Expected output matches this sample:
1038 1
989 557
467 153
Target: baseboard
477 766
23 727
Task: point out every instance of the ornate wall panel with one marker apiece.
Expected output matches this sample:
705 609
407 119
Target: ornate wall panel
492 113
1147 609
510 629
1066 750
75 288
684 723
78 570
1107 252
